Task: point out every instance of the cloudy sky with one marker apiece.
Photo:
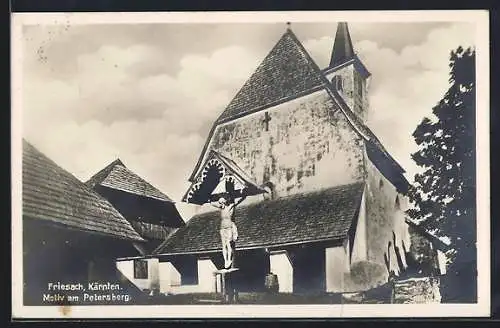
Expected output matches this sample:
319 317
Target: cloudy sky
149 93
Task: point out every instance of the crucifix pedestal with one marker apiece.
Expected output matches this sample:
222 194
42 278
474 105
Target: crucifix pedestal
228 285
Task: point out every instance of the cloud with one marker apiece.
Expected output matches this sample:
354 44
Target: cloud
119 103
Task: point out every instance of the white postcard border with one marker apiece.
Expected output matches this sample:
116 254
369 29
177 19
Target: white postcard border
482 308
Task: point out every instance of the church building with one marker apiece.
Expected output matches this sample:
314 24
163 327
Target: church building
325 206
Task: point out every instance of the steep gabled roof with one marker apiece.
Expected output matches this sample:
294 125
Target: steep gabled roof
117 176
318 216
342 46
285 72
55 196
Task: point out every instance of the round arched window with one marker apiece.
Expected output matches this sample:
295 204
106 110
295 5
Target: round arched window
338 83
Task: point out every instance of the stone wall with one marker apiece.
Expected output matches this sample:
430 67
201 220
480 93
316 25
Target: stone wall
417 291
422 256
308 146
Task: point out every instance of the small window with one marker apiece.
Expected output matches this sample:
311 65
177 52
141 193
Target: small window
269 187
140 269
380 184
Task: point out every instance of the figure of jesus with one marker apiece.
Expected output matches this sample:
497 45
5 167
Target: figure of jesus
228 229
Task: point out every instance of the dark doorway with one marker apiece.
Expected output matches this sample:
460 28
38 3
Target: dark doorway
308 270
253 265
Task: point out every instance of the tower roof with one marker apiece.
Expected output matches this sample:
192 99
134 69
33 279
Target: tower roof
342 46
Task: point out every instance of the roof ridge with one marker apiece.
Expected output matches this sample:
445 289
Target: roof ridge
108 179
330 218
275 51
101 175
288 197
149 184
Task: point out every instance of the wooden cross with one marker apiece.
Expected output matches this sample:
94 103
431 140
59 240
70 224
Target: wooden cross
266 120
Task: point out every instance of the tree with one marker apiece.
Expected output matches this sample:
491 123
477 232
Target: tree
444 194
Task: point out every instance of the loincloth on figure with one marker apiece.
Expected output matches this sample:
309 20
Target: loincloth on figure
226 234
228 231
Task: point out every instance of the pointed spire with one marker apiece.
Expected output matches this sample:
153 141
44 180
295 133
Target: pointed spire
342 46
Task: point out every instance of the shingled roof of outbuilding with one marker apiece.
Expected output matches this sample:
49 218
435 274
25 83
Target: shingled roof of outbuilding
117 176
54 195
317 216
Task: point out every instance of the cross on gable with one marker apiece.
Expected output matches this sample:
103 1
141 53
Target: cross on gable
266 120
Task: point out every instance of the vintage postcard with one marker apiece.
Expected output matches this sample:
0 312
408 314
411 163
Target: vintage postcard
271 164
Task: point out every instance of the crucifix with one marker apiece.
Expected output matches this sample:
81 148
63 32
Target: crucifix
266 120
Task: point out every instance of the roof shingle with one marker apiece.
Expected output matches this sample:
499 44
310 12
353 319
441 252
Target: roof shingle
52 194
285 72
321 215
117 176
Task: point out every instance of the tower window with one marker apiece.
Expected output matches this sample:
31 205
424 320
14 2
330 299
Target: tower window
380 184
360 85
338 83
396 203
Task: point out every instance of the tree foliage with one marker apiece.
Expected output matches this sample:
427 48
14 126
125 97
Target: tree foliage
444 194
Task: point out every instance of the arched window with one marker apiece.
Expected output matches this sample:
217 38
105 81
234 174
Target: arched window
396 203
338 83
269 187
380 184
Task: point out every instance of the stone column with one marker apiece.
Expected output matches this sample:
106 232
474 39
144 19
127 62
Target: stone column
337 262
169 276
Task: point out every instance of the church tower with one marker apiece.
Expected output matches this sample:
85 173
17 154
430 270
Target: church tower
347 73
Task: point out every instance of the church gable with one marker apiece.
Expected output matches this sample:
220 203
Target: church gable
214 179
286 110
286 72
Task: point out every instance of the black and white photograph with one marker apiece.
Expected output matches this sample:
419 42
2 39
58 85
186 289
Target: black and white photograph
284 164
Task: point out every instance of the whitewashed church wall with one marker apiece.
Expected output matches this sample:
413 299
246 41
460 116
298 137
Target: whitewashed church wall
336 268
281 265
360 247
387 231
126 267
307 147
